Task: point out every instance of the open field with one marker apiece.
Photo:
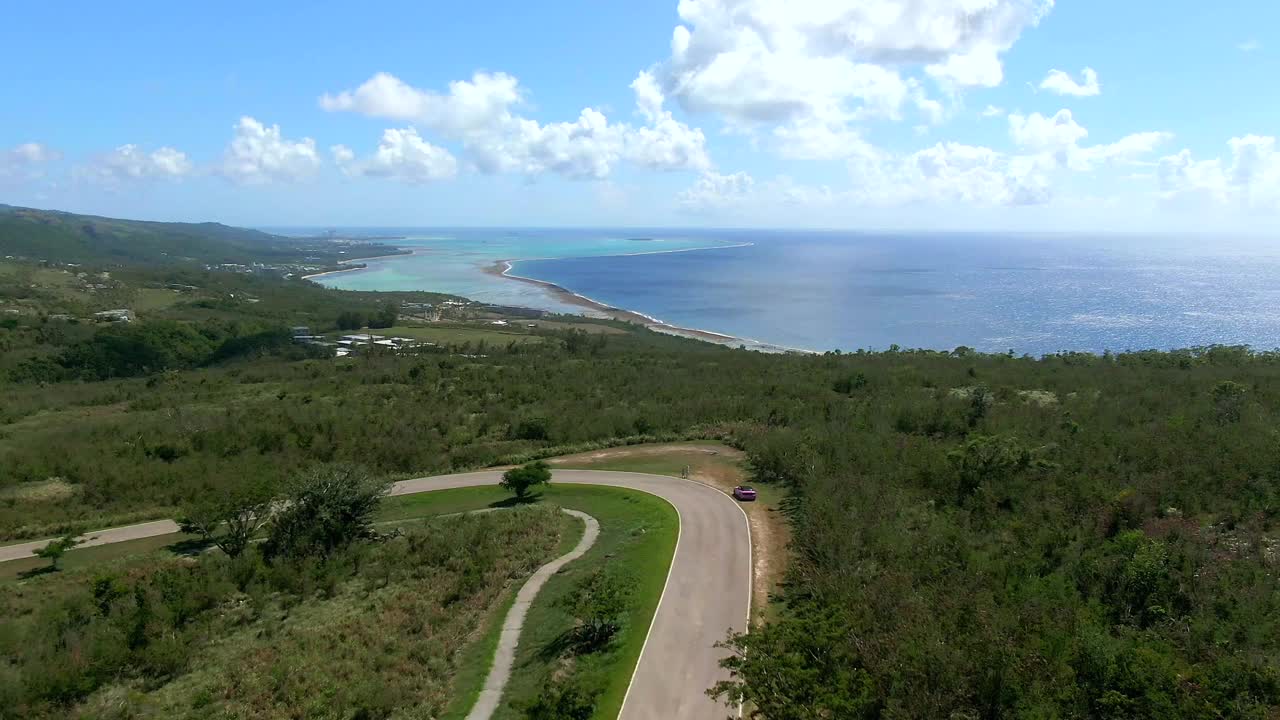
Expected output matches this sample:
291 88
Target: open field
456 335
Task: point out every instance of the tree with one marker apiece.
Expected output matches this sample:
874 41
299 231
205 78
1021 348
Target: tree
519 480
230 518
599 602
350 320
325 509
54 551
385 317
1228 401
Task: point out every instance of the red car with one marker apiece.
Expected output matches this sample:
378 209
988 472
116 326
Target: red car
744 493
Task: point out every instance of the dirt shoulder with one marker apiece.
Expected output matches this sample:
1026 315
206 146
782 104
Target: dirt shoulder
721 467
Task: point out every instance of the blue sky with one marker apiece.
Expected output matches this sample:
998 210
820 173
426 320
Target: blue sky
964 114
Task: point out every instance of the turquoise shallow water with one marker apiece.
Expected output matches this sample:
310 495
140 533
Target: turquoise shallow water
454 262
1031 294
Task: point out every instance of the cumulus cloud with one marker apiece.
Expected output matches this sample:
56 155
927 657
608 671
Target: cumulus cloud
813 67
259 153
1251 181
1058 138
714 191
401 155
954 173
26 161
481 114
131 163
1061 83
1038 132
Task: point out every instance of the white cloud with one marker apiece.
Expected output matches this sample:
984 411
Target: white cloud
26 162
130 163
1250 182
1061 83
1249 46
993 111
714 191
1037 132
1058 138
401 155
343 156
954 172
946 173
480 114
259 154
485 101
806 65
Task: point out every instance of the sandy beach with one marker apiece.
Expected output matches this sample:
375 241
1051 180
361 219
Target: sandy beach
503 268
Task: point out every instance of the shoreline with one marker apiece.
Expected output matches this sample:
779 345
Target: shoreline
360 260
503 268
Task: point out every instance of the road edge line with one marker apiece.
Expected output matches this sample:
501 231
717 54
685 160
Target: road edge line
653 619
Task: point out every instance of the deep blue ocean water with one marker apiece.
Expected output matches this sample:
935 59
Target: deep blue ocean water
1031 294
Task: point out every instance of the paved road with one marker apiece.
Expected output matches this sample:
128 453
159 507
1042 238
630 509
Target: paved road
99 537
708 590
504 657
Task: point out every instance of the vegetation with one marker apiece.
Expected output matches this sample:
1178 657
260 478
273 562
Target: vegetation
61 237
54 551
974 535
637 541
229 519
197 639
520 480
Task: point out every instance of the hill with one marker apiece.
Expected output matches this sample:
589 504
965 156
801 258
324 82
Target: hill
61 237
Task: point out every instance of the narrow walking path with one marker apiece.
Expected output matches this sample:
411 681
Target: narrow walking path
504 657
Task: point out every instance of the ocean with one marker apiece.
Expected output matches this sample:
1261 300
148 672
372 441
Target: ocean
1029 294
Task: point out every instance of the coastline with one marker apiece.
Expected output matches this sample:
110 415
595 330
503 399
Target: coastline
349 261
503 269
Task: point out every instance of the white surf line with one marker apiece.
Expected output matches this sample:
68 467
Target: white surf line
504 657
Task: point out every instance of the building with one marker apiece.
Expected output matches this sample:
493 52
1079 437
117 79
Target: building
111 316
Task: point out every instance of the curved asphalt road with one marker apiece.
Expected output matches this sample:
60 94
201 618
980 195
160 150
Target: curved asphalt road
708 589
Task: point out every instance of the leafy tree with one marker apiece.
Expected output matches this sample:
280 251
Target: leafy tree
325 509
385 317
54 551
805 669
229 518
598 602
986 460
350 320
521 479
1228 401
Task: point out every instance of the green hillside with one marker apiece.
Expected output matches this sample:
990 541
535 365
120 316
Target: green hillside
61 237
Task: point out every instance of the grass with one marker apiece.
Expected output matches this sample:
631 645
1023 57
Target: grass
457 335
97 555
637 537
477 659
155 299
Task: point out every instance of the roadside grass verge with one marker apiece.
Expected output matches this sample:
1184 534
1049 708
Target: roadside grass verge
99 555
638 535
